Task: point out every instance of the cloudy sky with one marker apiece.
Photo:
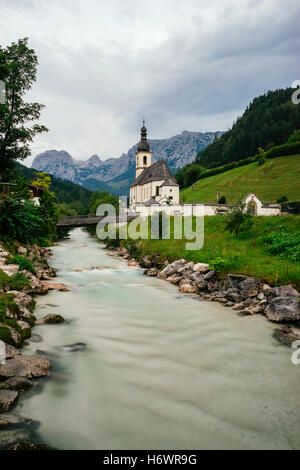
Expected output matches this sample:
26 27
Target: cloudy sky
183 64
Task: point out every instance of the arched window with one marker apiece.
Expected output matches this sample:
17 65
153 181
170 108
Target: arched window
145 160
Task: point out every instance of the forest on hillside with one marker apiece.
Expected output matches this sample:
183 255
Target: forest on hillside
268 121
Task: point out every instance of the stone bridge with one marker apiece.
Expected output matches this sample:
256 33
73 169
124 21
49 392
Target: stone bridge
85 220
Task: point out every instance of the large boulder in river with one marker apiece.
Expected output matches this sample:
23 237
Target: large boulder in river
7 399
283 304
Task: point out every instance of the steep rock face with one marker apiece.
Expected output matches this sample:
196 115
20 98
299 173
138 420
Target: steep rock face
177 151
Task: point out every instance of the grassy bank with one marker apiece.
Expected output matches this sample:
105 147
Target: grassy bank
246 254
275 178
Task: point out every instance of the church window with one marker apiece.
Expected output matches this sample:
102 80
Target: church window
145 160
157 190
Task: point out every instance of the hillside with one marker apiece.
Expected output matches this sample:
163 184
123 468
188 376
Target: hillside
267 121
65 191
277 177
116 174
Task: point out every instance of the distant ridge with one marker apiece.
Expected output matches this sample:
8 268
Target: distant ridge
116 174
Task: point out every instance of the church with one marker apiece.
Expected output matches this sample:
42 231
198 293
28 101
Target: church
154 184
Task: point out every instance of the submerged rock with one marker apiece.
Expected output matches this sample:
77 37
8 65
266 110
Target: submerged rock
73 347
286 335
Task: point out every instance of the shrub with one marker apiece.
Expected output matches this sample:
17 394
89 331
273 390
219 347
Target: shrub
23 262
20 221
282 150
219 264
282 199
286 245
18 282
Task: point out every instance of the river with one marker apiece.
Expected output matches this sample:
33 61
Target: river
161 370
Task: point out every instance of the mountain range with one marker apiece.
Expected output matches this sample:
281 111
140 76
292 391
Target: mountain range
116 174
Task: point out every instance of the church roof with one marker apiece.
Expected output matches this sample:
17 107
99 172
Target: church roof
156 172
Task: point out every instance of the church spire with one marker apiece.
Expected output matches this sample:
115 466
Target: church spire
143 144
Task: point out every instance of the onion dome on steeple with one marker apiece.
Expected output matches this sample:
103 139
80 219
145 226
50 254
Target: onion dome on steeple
143 144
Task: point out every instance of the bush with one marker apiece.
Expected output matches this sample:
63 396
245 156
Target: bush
282 150
219 264
286 245
282 199
23 262
222 200
20 221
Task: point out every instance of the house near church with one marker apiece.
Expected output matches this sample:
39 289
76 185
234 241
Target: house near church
154 183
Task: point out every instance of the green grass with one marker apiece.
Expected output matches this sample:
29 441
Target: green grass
23 262
275 178
15 282
245 255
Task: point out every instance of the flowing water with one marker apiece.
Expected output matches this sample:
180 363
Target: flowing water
161 369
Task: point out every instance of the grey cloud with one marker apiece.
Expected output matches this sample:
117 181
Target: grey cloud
184 65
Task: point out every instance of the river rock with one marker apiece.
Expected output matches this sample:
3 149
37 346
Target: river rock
19 384
188 288
244 286
22 251
210 276
201 267
25 366
201 284
283 309
58 286
162 275
36 286
174 279
22 299
53 319
152 272
11 437
10 352
7 399
145 262
172 268
25 328
286 335
26 445
35 338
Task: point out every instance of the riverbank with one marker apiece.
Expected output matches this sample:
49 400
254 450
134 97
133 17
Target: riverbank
270 250
19 372
244 294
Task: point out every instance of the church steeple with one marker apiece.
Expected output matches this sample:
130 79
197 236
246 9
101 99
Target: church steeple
143 156
143 144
